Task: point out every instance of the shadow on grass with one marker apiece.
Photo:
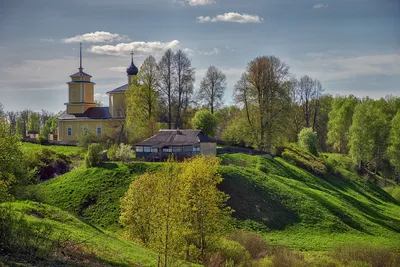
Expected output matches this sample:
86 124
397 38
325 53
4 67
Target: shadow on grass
253 202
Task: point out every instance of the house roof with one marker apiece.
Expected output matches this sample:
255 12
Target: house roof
120 89
79 74
95 113
176 138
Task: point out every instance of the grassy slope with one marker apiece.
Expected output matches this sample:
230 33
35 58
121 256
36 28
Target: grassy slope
67 150
103 247
287 204
314 213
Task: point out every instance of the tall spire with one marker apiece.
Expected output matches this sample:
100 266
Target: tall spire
132 56
80 58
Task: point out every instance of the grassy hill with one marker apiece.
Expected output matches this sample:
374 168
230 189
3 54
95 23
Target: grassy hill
286 204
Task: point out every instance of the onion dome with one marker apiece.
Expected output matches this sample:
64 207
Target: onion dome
132 69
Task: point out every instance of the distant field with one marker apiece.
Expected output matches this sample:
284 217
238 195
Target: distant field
67 150
286 204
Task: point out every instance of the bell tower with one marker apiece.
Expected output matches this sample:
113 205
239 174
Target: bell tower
80 90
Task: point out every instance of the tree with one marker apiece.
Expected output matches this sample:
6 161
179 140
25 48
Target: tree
50 126
93 157
183 82
24 115
34 122
264 89
224 117
308 140
394 142
365 134
340 120
12 119
205 121
166 71
141 101
212 88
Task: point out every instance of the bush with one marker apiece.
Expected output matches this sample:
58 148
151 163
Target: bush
112 152
48 163
227 252
252 242
124 152
93 157
284 257
370 256
308 140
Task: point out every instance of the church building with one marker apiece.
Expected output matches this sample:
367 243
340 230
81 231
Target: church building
82 114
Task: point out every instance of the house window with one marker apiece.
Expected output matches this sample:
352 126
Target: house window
69 130
196 148
147 149
187 149
154 150
177 149
139 149
98 130
167 149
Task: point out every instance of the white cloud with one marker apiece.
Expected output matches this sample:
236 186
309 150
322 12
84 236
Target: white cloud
137 47
195 2
231 17
188 51
214 51
98 95
317 6
326 67
96 37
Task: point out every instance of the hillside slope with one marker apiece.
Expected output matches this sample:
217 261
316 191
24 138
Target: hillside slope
287 204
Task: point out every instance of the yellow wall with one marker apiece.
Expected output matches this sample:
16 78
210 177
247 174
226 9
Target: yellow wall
208 148
78 128
83 78
88 93
117 104
74 109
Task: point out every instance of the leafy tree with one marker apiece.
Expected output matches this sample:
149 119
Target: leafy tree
34 122
340 120
394 142
50 126
366 135
308 140
224 117
124 152
141 101
206 121
212 88
93 157
264 88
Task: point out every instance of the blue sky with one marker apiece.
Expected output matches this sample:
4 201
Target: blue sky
353 47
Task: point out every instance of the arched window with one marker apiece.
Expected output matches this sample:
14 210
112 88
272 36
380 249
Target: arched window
69 130
98 129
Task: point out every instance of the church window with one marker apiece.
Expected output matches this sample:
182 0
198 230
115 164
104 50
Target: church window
69 130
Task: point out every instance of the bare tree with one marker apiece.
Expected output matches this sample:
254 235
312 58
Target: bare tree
212 88
184 78
166 80
12 118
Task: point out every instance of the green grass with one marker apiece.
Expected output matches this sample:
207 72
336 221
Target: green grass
394 191
67 150
99 245
286 204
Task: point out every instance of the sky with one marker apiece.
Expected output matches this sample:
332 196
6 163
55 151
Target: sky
351 46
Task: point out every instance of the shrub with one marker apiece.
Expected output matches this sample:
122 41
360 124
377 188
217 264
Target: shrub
284 257
227 252
124 152
112 152
252 242
93 157
370 256
308 140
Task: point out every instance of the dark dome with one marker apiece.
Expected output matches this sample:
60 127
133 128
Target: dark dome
132 69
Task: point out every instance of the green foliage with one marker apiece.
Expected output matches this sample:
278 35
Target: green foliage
226 252
50 126
112 152
340 120
85 139
48 163
308 140
93 157
207 122
394 141
34 122
367 135
124 152
177 210
305 160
